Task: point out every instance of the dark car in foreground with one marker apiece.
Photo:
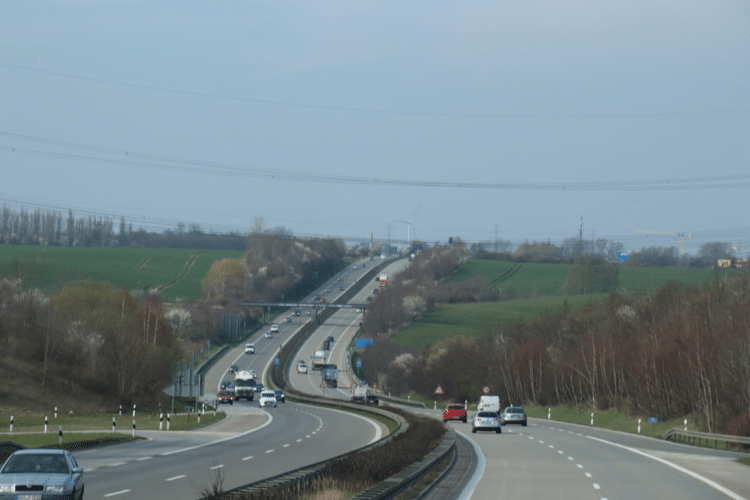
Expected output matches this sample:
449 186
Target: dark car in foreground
41 474
454 412
280 396
371 399
513 415
486 421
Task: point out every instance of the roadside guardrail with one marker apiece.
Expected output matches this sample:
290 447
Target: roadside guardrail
695 437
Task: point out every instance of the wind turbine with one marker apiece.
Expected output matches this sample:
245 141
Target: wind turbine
410 226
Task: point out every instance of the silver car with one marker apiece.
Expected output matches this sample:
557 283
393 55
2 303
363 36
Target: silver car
486 421
39 473
513 415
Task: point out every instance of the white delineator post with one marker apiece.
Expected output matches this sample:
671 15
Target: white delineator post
161 420
685 423
59 434
133 427
46 424
114 425
168 419
639 426
133 411
549 413
592 418
11 423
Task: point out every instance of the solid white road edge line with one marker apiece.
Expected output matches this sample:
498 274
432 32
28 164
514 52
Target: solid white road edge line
717 486
474 481
233 436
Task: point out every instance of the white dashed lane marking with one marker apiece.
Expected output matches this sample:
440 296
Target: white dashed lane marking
176 477
116 493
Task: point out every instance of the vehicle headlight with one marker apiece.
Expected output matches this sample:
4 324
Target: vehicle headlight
6 488
57 489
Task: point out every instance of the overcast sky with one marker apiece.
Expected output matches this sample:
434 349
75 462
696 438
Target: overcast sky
474 119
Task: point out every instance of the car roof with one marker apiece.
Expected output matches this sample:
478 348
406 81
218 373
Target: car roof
40 451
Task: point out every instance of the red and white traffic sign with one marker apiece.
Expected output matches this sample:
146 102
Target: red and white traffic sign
486 389
438 390
324 385
353 386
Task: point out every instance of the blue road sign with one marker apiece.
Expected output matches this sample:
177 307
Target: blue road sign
622 256
359 363
362 343
276 361
653 420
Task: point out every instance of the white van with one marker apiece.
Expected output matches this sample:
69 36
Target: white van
489 403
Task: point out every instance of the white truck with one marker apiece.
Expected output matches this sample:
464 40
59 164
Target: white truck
244 385
358 396
318 359
383 279
489 403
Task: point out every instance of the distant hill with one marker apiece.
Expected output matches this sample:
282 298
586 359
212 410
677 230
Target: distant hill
177 273
539 288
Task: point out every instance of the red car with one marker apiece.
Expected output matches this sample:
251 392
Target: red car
454 412
226 397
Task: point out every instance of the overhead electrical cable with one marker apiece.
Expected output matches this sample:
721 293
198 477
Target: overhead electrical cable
186 165
375 110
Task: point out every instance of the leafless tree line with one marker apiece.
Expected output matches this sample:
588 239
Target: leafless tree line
90 334
679 351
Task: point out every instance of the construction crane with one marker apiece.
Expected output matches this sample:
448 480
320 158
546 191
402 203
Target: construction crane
681 235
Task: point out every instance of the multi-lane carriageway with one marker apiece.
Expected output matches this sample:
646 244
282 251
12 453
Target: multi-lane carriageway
547 459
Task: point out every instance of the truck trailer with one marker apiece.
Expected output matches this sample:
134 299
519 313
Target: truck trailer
244 385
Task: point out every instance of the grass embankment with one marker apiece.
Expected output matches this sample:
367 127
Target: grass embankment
177 273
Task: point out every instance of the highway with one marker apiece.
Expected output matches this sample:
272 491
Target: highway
249 445
547 459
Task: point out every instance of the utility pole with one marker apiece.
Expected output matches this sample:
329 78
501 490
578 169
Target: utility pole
580 231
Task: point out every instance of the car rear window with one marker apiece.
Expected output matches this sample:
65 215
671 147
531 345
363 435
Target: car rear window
455 407
514 410
487 414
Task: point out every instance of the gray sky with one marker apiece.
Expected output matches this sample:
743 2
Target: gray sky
343 118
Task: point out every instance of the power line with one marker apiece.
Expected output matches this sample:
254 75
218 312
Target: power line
374 110
194 166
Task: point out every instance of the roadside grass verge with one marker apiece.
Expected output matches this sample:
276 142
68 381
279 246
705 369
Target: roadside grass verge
103 422
743 460
609 419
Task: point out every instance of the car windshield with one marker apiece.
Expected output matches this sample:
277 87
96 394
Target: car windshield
32 463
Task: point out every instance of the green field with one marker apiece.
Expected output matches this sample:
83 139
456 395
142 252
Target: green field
177 273
544 280
478 318
540 285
